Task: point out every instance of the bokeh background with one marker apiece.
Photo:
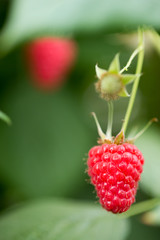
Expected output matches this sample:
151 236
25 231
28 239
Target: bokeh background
43 154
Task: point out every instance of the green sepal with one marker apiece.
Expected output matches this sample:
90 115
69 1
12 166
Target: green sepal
123 93
119 139
100 72
115 65
100 132
5 118
128 78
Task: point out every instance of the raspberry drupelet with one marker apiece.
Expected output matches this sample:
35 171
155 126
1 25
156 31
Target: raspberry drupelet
115 171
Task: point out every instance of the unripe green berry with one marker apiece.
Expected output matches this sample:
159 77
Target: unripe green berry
109 86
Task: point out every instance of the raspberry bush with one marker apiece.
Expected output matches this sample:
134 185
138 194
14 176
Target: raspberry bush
41 154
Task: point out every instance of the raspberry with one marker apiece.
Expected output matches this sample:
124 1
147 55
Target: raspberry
115 171
49 60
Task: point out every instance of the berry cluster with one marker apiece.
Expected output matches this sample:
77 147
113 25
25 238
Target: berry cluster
115 171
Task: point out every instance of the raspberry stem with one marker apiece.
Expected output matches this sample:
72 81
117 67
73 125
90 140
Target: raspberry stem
110 120
136 82
131 59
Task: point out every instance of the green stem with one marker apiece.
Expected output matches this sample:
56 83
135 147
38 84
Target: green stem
131 59
110 120
136 82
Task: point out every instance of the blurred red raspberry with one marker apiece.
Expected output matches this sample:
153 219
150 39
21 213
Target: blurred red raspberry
49 60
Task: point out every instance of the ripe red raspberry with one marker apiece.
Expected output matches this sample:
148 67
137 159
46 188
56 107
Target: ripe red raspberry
49 60
115 171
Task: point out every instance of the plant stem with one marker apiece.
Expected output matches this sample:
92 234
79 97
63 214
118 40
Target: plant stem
110 120
131 59
136 82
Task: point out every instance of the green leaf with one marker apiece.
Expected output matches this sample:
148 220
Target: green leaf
149 145
41 155
31 18
115 65
141 207
128 78
61 220
5 118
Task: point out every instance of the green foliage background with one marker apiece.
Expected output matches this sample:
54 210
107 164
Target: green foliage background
43 192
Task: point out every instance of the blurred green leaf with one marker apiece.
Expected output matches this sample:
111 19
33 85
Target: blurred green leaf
30 18
149 145
5 118
141 207
140 231
61 220
42 154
